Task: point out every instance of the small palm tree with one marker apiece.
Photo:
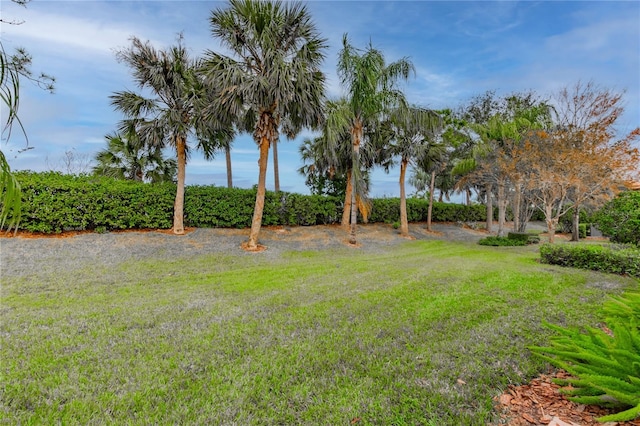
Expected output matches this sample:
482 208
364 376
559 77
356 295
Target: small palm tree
371 93
169 116
273 76
126 157
323 177
414 136
432 160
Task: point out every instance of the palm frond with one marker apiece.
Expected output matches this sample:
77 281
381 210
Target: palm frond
10 196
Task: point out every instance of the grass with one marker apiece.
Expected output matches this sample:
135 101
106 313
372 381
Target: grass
426 333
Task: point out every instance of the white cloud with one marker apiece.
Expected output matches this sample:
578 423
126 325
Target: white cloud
70 33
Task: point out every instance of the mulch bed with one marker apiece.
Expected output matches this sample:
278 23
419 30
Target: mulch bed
540 403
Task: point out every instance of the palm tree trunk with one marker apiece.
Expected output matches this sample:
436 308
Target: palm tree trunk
227 153
354 205
256 222
404 223
346 212
430 208
178 206
276 170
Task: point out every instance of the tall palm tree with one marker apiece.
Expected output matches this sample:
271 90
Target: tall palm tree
273 75
414 131
126 157
171 115
371 93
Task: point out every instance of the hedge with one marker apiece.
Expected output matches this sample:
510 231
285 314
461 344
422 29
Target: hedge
53 203
613 259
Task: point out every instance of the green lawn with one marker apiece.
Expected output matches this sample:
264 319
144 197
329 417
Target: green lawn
426 333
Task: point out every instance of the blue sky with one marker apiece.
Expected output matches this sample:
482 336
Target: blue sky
459 49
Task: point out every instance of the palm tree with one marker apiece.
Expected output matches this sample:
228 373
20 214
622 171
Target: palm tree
371 93
169 116
126 157
323 175
332 162
414 131
274 74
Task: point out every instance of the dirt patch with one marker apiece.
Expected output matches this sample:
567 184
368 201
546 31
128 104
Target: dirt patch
70 234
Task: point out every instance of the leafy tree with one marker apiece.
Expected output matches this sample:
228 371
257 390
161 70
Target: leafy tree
126 157
620 218
371 94
494 163
171 114
586 116
273 75
580 159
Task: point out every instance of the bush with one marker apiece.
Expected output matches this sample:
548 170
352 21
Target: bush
610 259
54 203
501 241
519 236
606 366
387 210
620 218
534 239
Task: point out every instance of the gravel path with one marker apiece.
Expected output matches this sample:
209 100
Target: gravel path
28 256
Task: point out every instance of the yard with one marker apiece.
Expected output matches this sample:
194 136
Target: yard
400 332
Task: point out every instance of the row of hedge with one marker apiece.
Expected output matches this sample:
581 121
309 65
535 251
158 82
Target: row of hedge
613 259
53 202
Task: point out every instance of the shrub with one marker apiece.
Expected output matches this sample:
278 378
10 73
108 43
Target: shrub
525 237
501 241
533 239
520 236
620 218
606 366
611 259
54 203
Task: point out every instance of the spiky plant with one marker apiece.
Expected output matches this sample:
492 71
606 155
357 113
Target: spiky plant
605 363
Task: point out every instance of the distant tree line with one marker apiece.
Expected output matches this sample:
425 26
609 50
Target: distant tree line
520 152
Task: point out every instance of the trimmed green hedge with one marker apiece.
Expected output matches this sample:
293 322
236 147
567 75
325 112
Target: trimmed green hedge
525 237
611 259
387 210
53 203
502 242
